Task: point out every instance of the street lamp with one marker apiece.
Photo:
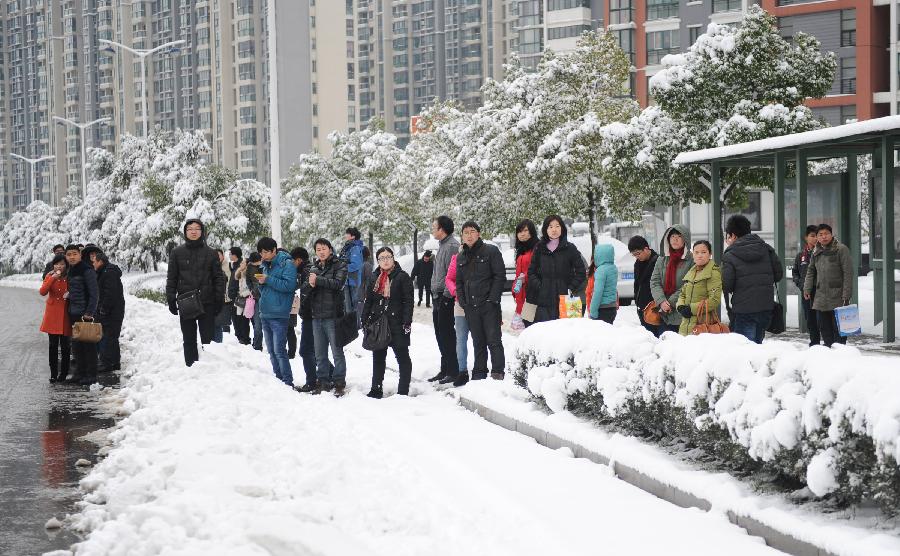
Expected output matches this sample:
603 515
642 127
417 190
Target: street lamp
32 162
141 53
82 127
274 131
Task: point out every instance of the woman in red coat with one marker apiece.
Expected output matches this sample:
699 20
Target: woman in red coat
526 239
56 317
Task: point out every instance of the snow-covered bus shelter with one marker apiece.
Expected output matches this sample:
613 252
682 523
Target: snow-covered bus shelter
877 137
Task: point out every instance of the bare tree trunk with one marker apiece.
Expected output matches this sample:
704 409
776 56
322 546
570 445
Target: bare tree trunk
592 214
371 243
415 243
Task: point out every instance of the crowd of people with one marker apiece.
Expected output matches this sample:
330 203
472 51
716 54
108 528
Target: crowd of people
332 294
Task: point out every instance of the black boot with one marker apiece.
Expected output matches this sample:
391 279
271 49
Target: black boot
376 392
448 379
440 376
339 388
461 379
307 388
498 375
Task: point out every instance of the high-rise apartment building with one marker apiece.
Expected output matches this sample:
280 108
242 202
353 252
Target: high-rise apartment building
214 80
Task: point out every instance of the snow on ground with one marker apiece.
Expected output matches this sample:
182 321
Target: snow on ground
221 458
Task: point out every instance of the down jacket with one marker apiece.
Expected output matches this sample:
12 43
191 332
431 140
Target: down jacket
750 269
399 306
326 300
277 292
605 279
112 297
829 277
83 290
700 284
552 274
480 275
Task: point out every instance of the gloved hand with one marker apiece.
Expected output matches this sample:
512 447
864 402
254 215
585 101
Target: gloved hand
407 328
685 311
173 308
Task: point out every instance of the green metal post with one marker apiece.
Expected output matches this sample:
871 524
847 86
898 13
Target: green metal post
802 220
853 231
780 169
887 237
715 226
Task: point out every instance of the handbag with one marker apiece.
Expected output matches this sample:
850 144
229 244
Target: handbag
189 305
708 323
777 324
529 311
651 314
87 332
377 331
249 307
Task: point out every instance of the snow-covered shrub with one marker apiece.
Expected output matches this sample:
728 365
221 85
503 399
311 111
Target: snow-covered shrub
826 418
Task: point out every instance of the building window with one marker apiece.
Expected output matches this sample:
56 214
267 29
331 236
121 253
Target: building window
848 27
848 114
248 158
848 76
553 5
694 33
246 49
248 137
245 28
248 115
661 9
726 6
566 32
244 7
660 44
625 37
247 71
786 29
247 93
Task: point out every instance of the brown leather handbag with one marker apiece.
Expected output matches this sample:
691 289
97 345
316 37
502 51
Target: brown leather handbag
708 323
88 332
651 314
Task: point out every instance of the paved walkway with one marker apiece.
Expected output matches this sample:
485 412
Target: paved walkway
41 426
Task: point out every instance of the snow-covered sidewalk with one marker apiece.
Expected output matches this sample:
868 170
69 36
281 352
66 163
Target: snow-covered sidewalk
223 459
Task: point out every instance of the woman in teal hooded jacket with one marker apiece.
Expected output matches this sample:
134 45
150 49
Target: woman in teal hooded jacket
603 301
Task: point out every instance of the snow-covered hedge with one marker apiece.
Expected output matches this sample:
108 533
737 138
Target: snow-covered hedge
826 418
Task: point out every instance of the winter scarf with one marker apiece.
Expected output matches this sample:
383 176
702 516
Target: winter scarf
383 285
553 244
526 246
670 284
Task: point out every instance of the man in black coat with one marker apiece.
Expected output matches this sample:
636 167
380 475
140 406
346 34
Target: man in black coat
307 346
111 308
644 261
750 270
194 271
83 298
421 273
57 250
480 277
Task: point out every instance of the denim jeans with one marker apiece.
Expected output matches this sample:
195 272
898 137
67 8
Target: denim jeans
325 335
752 325
462 343
275 332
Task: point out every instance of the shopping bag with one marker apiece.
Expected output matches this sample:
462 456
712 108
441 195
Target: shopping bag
848 322
517 323
529 311
250 307
569 307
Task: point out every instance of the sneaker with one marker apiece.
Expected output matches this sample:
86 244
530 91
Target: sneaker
461 379
480 375
437 377
376 392
306 388
339 388
498 375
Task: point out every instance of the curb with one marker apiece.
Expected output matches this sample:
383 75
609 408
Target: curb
778 540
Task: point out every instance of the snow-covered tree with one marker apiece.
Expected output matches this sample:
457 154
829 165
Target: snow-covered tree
735 84
28 237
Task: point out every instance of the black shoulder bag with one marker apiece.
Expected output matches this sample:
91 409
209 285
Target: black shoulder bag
189 305
777 324
377 331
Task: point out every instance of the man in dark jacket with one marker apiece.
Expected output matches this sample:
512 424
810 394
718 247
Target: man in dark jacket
194 271
480 277
442 313
644 261
750 270
324 286
83 297
422 271
798 273
829 282
307 342
111 307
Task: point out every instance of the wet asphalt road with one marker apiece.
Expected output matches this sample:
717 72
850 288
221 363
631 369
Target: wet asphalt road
41 430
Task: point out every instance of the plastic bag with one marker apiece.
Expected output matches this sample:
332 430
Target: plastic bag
847 318
517 323
569 307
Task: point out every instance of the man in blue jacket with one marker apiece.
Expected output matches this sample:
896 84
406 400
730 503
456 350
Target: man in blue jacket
352 254
277 286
